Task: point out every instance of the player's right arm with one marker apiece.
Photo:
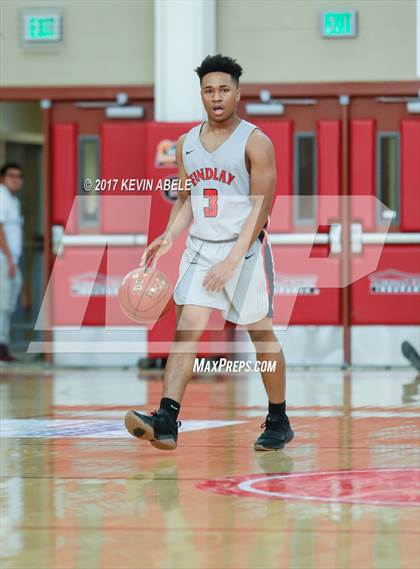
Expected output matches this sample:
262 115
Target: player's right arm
179 219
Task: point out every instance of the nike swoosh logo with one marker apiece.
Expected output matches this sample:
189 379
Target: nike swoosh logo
251 255
189 151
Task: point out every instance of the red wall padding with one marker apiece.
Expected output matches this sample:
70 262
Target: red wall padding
123 149
296 266
71 280
398 267
64 172
329 170
410 175
281 135
123 157
128 150
362 170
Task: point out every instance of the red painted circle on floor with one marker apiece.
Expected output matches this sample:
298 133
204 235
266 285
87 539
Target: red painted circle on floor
387 487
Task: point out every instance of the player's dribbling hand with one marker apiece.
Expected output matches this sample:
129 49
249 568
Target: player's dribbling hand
156 249
218 276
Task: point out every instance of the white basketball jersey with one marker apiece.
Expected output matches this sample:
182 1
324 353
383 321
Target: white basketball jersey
220 187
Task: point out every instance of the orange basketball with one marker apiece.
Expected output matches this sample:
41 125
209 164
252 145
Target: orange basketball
145 295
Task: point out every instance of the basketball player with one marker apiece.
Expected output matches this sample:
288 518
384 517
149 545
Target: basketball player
227 264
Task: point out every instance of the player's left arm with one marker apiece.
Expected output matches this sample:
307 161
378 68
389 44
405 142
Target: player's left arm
260 156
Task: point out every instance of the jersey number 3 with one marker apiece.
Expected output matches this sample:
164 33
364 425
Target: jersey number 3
211 210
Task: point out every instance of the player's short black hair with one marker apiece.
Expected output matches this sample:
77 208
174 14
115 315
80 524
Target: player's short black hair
221 63
10 166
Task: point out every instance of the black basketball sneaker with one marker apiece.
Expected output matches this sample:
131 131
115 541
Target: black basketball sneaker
276 435
159 428
411 354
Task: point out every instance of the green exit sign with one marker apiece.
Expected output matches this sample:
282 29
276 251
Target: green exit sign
339 24
42 28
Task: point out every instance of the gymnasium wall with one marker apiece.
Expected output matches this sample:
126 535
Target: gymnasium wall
112 43
23 118
20 123
105 43
278 41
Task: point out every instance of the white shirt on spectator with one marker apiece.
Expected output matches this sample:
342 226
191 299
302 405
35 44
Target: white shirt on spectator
11 218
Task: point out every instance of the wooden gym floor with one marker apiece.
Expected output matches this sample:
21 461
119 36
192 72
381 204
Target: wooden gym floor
79 493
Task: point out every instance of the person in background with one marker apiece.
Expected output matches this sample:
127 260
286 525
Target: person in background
11 243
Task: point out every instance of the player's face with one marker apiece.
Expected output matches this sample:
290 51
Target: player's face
220 95
13 179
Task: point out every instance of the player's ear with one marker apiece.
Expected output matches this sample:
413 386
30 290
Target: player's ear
238 94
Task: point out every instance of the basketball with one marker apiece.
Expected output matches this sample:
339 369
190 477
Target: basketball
145 295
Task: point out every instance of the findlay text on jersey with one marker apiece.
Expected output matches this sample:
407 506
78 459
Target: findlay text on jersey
203 174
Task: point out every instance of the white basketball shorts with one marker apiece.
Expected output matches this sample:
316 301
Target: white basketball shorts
246 298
